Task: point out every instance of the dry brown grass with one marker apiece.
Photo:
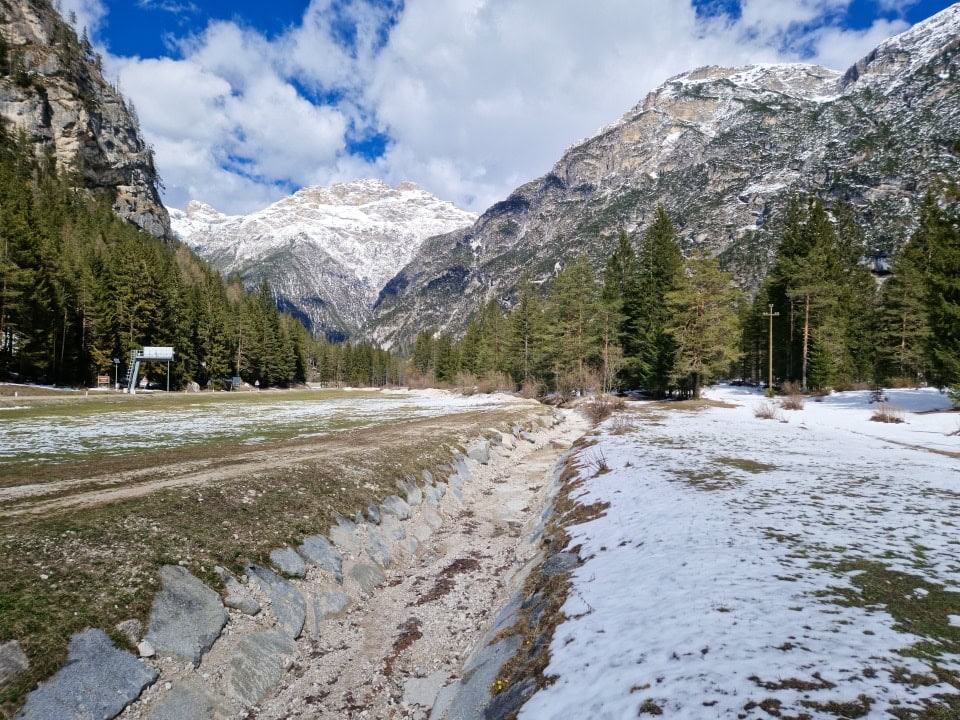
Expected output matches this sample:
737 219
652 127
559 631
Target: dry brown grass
887 414
767 410
792 402
599 408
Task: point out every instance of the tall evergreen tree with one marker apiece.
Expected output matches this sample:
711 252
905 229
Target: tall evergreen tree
661 264
703 323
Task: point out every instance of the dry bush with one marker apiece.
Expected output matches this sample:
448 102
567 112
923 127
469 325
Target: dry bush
793 401
886 414
421 381
466 383
567 385
596 461
496 382
598 409
621 426
767 410
618 403
532 389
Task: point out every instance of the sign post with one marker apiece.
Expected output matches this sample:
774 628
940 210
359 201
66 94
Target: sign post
116 368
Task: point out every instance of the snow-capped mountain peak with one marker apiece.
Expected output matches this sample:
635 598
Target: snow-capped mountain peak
327 251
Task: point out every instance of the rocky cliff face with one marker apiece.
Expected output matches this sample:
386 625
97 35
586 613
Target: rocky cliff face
326 252
52 89
723 150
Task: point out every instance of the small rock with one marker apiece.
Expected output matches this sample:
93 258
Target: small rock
13 663
145 649
131 630
237 596
344 536
427 477
373 513
378 547
524 435
431 518
559 564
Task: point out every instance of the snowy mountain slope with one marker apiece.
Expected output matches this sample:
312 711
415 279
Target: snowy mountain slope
722 149
326 251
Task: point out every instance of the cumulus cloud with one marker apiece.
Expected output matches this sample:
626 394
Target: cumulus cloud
474 96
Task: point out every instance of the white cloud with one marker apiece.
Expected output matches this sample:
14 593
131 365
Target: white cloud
476 96
89 13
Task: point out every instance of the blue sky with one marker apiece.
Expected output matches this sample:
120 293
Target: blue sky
246 101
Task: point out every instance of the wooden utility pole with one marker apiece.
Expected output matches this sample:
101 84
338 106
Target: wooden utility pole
770 314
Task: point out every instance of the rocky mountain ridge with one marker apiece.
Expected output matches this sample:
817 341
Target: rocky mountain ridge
53 91
326 251
723 149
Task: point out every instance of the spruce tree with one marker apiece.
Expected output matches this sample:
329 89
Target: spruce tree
703 322
661 264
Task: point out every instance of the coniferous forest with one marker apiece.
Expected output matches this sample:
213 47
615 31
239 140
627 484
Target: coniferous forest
79 287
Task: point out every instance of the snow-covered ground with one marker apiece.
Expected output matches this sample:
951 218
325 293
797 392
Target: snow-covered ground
60 437
721 580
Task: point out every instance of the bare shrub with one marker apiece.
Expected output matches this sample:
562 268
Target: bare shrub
596 461
618 403
621 426
466 383
598 409
886 414
793 401
767 410
421 381
532 389
495 382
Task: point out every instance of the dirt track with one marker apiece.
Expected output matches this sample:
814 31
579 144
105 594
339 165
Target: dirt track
169 470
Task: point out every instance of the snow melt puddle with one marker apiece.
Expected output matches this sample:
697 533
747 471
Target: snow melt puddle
712 585
117 433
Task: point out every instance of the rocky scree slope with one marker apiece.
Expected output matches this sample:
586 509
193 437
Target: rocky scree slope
326 251
55 93
723 149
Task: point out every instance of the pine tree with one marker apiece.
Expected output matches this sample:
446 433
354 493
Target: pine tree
661 264
703 323
942 237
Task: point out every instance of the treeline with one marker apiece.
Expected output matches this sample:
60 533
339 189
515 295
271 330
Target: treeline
79 287
656 321
835 326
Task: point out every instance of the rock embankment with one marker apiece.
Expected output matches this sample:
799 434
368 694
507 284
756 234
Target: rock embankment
372 619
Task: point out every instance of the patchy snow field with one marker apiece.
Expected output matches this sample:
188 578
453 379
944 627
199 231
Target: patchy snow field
246 420
737 570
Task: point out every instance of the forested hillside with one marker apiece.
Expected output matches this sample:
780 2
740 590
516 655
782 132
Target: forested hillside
669 325
79 287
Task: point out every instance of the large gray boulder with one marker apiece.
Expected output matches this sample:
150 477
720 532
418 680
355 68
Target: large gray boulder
480 451
412 491
187 616
396 506
345 536
287 603
319 551
379 547
257 665
473 692
97 682
288 562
